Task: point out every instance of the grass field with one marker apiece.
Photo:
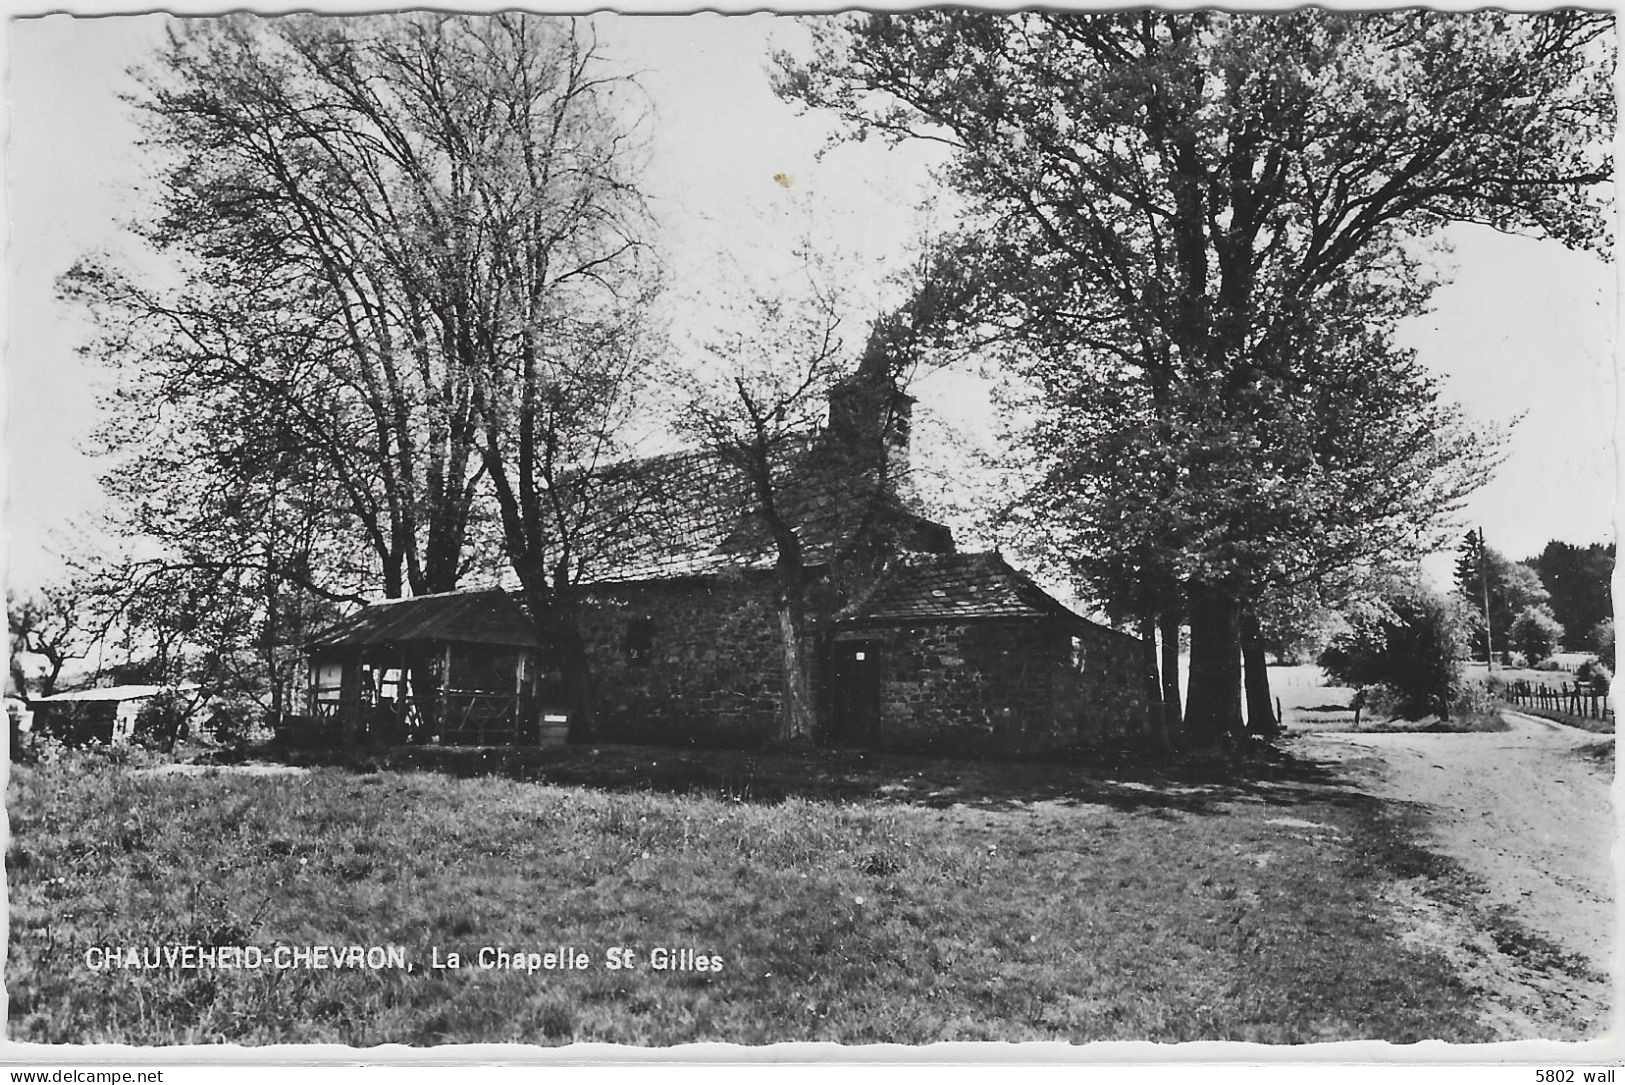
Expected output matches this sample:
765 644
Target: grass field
866 900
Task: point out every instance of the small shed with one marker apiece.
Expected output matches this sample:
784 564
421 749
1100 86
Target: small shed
460 668
101 714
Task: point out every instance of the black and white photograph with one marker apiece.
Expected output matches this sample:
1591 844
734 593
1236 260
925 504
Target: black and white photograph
900 527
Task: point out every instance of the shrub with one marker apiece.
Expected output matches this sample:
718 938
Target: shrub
1401 653
1478 699
1536 633
236 719
1594 673
1602 638
39 748
162 720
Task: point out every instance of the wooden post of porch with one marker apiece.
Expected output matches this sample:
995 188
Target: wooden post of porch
445 692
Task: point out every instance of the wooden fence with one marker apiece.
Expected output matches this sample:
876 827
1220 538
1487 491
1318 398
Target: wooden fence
1572 698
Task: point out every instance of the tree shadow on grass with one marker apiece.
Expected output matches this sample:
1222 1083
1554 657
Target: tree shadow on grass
1119 779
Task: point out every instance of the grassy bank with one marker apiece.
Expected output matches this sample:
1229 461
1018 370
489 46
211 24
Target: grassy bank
927 902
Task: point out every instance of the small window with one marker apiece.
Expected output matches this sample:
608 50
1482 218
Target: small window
859 656
640 639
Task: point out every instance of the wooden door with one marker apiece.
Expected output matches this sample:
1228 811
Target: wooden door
855 682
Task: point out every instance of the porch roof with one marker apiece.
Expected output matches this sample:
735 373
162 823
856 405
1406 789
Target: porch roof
462 617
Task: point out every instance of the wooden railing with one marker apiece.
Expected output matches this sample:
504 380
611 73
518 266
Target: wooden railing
453 718
341 720
487 719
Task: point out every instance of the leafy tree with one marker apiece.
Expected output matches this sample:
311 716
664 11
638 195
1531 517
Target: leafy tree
1297 628
55 625
763 391
1188 192
413 246
1406 640
288 311
1535 633
757 405
1578 579
1594 673
1484 573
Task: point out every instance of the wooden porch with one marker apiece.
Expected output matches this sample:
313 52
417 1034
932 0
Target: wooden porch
449 717
461 669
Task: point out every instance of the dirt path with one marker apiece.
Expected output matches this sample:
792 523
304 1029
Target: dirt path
1524 812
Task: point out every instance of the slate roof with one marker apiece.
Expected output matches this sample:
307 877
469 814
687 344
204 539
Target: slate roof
690 514
655 518
487 616
963 587
665 517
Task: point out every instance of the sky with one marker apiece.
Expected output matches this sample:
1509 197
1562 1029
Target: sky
1524 330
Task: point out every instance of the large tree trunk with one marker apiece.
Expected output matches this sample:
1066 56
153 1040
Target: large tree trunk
1148 659
1214 709
1169 630
575 673
798 719
556 623
1255 672
394 577
1161 731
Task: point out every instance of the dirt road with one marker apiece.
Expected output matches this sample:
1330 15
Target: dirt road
1529 816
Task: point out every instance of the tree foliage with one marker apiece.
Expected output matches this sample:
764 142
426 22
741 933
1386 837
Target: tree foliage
1406 640
1183 217
1510 587
1602 639
1535 633
56 625
1578 580
410 317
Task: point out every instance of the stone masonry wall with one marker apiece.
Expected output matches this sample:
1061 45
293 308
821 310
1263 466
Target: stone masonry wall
1100 690
699 662
1014 685
685 661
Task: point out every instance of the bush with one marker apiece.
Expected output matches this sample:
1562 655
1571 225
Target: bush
1536 633
1602 639
1478 699
1401 653
162 720
1594 673
236 720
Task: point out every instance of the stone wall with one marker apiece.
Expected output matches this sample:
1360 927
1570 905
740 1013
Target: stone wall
1100 691
699 662
1017 685
685 661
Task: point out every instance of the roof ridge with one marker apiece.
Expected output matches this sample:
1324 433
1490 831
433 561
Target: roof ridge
438 595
